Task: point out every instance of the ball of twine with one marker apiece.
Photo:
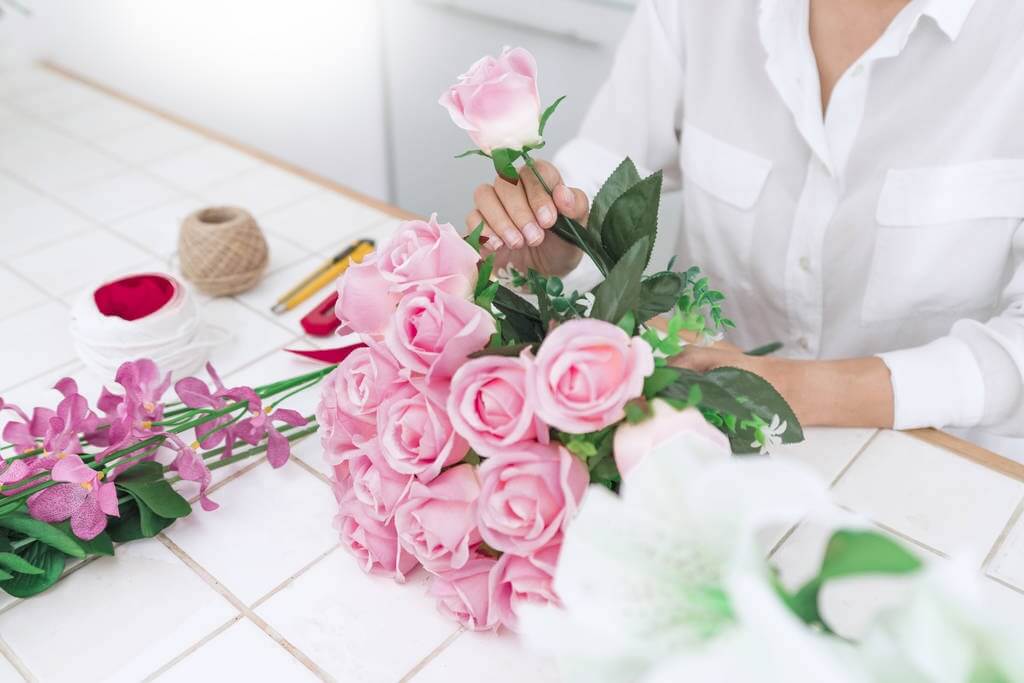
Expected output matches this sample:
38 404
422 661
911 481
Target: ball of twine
222 250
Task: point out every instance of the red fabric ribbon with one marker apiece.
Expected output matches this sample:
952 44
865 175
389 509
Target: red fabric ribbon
135 296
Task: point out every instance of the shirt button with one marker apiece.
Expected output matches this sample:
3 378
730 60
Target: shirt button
804 344
805 264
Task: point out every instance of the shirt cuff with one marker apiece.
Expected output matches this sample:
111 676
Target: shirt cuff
936 385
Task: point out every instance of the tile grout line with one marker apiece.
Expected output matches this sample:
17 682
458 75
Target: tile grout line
287 582
431 656
1005 584
164 668
261 623
1015 517
7 653
856 456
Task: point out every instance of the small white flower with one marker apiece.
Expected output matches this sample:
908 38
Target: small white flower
588 304
505 277
770 436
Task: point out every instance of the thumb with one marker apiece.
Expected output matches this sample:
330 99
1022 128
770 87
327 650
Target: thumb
571 202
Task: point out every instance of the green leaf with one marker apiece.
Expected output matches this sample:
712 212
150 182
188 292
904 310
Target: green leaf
485 298
849 553
634 215
547 114
43 532
136 521
4 575
18 564
622 178
504 163
508 351
765 350
522 321
627 323
658 294
538 286
657 381
470 152
48 559
100 545
741 394
149 487
620 291
473 239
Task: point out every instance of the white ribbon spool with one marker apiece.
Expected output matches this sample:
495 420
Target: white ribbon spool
173 336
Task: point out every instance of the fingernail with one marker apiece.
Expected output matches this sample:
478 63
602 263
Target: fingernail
545 215
533 234
513 240
490 243
565 195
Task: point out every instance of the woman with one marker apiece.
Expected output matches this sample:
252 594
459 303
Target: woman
853 179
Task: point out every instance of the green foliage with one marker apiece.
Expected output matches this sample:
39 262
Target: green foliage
521 321
473 238
46 562
146 483
507 351
659 380
632 217
471 152
849 553
620 291
505 163
47 534
547 115
622 178
595 450
659 294
136 521
740 399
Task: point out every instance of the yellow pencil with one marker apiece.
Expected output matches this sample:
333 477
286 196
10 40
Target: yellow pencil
324 276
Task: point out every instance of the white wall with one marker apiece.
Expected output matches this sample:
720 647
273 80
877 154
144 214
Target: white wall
300 80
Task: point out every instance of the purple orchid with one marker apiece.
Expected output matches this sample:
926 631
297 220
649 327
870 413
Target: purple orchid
279 449
58 430
194 393
81 497
131 415
190 466
13 476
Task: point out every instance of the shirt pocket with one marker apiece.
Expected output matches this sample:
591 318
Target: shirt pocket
722 184
944 240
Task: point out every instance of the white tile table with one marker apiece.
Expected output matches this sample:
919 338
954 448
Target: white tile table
260 590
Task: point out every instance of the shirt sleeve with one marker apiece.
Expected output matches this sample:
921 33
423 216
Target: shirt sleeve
636 113
972 377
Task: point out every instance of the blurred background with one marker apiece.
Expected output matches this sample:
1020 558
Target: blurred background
346 89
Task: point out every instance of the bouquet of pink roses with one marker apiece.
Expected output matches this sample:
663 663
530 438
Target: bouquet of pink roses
465 430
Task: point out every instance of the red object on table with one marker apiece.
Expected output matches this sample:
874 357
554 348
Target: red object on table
327 355
135 296
321 321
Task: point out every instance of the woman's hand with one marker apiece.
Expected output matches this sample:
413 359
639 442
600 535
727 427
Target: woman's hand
836 393
516 219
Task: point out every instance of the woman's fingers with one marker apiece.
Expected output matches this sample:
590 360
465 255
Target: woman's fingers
571 202
517 207
497 219
541 204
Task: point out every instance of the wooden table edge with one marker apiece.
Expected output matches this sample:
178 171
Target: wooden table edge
936 437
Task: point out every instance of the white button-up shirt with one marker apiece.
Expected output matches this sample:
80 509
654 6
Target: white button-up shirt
890 226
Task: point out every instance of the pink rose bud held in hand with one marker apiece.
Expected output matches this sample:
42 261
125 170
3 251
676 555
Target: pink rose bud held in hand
464 594
528 494
517 580
374 543
585 373
437 523
416 436
432 332
422 254
496 102
634 442
489 405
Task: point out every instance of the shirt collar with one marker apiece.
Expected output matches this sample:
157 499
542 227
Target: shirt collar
950 15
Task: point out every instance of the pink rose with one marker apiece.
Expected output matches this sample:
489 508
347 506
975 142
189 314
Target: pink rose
437 523
432 332
464 594
517 580
415 434
378 487
374 543
421 254
528 494
342 435
488 403
497 102
633 442
586 372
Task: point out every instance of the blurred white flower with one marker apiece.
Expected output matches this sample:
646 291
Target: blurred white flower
650 574
948 632
769 437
